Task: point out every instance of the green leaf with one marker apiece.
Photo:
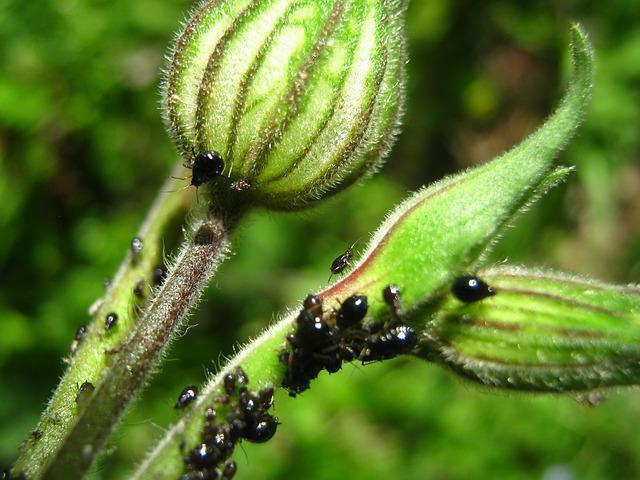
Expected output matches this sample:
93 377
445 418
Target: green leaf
541 331
444 230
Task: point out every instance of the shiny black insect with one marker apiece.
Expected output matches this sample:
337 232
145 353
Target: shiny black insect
261 430
470 288
342 261
312 332
316 345
136 245
81 332
203 456
187 396
395 341
352 311
206 167
247 419
229 471
238 378
313 303
110 321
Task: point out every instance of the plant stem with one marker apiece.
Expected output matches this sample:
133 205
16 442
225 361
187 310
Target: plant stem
138 355
259 359
91 361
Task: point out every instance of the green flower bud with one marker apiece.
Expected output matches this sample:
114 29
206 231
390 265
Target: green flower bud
301 98
542 332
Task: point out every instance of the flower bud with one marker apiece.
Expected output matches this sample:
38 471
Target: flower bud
541 331
301 98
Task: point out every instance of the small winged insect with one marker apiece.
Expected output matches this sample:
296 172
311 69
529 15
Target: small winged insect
470 288
187 396
342 261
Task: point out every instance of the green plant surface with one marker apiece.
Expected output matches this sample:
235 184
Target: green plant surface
83 151
415 227
541 332
301 98
94 350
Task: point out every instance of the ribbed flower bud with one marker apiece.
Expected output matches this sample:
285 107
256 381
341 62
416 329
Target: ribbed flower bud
301 98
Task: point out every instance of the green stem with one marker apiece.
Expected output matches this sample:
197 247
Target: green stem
91 360
139 354
259 359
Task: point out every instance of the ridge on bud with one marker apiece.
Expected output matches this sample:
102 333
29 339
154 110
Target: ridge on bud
301 97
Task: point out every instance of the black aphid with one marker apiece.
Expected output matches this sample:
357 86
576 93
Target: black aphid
396 341
262 430
210 414
242 379
312 332
246 419
342 261
159 275
206 166
229 471
265 398
248 403
110 321
352 311
81 332
229 383
138 289
203 456
187 396
313 303
84 392
136 245
391 296
470 288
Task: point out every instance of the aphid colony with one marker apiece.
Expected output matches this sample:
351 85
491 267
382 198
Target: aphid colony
323 340
247 419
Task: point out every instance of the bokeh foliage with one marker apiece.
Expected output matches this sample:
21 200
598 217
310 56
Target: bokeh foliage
83 149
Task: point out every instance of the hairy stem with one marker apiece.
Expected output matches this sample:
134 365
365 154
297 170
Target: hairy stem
259 359
90 361
135 359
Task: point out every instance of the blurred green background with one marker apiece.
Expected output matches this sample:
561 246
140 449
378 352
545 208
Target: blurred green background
83 150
